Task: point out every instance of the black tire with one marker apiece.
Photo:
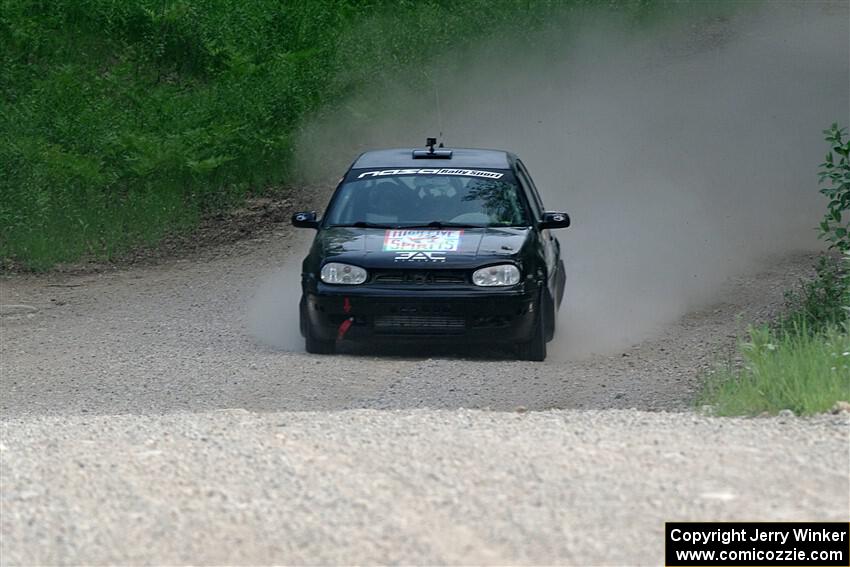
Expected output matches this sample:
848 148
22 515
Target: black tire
551 316
314 345
561 284
303 325
535 349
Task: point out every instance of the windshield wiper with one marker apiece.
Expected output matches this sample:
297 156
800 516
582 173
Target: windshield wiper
441 224
362 224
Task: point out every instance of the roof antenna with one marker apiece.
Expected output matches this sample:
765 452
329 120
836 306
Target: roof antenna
439 114
439 108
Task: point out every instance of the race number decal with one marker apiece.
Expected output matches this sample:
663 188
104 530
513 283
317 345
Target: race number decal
421 240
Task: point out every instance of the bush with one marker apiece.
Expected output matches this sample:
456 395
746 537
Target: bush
835 170
823 302
819 303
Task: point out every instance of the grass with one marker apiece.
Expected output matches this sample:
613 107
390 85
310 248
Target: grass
803 372
801 363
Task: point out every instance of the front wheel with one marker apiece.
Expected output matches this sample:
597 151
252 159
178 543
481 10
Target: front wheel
311 343
316 346
535 349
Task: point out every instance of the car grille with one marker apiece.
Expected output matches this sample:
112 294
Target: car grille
419 277
419 324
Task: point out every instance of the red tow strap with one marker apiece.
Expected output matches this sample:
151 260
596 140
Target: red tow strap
343 328
345 325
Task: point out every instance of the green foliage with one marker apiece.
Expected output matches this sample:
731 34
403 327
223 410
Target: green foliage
802 371
844 300
819 303
835 171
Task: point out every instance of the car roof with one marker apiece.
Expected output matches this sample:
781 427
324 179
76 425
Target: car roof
461 157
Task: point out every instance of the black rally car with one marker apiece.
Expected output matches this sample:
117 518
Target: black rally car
433 244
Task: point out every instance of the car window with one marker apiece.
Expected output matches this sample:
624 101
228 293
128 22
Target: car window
525 179
416 199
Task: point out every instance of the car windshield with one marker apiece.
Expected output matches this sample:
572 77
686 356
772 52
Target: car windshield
428 200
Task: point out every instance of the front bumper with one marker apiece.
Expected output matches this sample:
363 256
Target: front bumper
501 316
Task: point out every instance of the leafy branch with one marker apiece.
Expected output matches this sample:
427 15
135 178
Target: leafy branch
835 173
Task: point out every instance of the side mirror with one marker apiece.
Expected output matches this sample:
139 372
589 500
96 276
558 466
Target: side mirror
305 219
555 220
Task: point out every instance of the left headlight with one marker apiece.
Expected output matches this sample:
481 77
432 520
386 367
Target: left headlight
500 274
343 274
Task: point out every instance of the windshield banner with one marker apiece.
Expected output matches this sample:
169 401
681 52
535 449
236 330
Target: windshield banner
421 240
433 171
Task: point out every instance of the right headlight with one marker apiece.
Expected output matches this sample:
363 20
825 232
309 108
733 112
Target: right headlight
343 274
500 274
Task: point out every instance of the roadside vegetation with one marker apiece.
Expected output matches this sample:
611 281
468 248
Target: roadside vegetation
802 362
122 121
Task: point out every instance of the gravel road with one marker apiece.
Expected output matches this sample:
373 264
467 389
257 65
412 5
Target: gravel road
144 422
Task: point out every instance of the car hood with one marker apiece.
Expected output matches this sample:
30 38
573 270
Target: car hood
380 248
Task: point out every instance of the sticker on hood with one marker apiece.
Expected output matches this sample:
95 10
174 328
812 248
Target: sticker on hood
421 240
433 171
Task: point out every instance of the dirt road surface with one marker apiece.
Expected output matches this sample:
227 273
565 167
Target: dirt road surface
143 422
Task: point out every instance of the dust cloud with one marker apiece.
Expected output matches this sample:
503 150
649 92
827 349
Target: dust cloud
686 153
273 309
